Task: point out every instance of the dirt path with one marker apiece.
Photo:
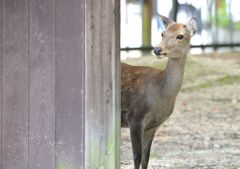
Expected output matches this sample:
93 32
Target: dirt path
204 130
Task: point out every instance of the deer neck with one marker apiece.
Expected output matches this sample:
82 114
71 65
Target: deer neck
172 79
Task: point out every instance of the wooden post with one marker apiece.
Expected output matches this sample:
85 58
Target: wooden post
59 84
102 84
146 22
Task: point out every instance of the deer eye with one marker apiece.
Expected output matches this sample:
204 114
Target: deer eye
180 37
162 34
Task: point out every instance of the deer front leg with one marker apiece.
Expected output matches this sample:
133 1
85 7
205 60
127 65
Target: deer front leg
147 142
136 139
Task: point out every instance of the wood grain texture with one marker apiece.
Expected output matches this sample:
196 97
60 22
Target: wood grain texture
42 84
0 83
70 84
102 84
15 84
116 76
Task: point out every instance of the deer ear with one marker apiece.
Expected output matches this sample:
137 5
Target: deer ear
192 26
166 20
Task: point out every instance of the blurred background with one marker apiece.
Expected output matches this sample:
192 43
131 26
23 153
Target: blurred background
203 131
218 29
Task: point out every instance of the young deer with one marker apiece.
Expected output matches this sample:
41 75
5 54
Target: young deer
148 95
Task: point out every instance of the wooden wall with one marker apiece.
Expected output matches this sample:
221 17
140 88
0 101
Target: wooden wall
59 84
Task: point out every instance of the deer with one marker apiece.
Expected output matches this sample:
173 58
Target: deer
148 94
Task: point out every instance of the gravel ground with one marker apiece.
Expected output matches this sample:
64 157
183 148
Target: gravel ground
204 130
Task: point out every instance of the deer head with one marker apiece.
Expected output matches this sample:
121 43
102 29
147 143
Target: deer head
176 38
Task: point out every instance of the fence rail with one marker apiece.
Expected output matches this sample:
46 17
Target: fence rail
214 46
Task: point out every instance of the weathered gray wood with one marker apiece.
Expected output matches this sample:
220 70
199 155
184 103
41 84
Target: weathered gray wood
15 84
70 84
0 81
102 84
42 84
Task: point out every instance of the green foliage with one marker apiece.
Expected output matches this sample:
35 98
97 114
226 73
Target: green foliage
237 26
222 15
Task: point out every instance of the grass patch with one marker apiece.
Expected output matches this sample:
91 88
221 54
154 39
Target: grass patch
238 167
238 62
151 61
226 80
200 72
195 70
154 155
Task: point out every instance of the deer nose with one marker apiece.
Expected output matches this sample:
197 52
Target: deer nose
157 50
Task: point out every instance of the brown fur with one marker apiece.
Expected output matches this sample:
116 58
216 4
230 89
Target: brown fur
135 81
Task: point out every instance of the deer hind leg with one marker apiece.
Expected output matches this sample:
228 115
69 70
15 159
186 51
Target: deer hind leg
147 142
136 139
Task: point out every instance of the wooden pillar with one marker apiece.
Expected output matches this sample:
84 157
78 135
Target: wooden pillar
102 84
1 82
59 84
146 22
